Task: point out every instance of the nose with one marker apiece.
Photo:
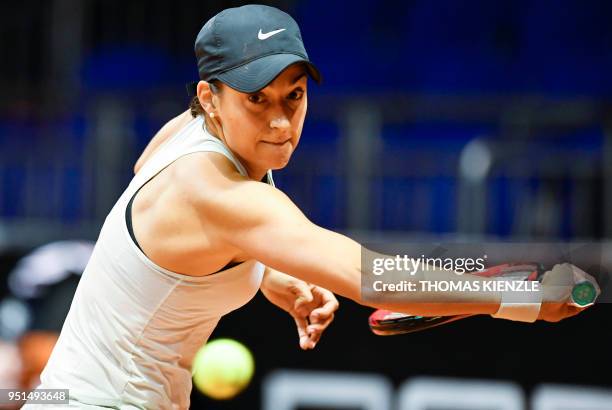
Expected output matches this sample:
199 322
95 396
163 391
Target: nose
281 122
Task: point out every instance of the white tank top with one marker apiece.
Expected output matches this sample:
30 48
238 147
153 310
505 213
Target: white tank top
133 326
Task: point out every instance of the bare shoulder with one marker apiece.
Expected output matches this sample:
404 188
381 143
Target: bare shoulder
226 199
210 178
204 174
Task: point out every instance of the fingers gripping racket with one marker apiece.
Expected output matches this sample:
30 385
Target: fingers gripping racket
386 323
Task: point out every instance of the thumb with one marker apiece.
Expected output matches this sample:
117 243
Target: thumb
303 297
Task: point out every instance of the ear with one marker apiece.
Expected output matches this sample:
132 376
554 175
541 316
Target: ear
205 96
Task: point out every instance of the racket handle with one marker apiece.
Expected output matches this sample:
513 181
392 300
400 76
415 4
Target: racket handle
583 294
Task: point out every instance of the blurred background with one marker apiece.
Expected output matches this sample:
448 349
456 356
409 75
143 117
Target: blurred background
436 119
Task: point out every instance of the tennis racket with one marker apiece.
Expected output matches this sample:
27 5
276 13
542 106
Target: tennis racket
387 323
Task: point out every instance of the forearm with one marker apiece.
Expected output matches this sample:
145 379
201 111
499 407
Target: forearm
342 258
274 280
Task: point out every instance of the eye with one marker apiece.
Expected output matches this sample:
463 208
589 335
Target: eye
296 94
256 98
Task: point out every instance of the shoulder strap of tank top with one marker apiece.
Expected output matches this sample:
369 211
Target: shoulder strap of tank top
221 148
192 138
269 179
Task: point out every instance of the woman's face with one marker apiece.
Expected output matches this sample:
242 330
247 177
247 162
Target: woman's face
264 128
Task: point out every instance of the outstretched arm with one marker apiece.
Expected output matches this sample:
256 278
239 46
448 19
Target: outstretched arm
243 212
263 222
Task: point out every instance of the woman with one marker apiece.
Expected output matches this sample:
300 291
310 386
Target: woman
201 228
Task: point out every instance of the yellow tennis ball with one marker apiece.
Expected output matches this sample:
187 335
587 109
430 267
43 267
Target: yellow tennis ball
222 368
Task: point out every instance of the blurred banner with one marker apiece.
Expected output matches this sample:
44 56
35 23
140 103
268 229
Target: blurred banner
437 122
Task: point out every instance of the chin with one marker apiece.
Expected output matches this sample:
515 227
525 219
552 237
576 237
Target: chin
278 163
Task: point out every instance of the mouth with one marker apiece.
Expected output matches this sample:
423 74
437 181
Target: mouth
278 144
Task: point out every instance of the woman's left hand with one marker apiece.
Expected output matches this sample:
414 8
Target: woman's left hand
312 307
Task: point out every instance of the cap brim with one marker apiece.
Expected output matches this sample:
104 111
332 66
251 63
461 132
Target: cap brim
257 74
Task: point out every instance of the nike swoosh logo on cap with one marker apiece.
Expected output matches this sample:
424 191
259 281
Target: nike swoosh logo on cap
263 36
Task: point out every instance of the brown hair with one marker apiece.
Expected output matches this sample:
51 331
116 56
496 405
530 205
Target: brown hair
195 108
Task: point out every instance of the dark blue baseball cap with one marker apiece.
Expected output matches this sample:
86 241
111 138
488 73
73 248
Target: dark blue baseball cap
247 47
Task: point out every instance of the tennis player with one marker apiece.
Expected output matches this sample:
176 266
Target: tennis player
201 228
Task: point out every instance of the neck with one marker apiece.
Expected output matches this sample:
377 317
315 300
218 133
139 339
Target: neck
254 173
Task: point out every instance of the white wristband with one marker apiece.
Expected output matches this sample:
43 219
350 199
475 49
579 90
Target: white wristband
519 311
